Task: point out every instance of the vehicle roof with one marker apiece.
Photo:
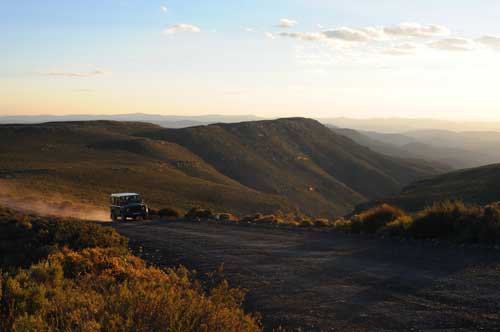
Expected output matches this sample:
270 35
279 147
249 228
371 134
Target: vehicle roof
124 195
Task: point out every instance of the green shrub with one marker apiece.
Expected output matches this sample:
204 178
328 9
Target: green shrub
370 221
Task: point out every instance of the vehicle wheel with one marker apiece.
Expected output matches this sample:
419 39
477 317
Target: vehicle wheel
124 216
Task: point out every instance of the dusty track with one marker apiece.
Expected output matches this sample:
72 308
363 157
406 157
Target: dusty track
322 281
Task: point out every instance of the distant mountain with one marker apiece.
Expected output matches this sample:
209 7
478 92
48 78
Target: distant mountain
400 125
452 150
477 185
168 121
264 166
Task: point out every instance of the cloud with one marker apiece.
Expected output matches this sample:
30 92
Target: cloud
72 74
182 27
490 41
269 35
402 49
416 30
287 23
164 8
303 35
355 35
249 29
454 44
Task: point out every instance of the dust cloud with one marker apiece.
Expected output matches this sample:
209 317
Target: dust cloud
48 206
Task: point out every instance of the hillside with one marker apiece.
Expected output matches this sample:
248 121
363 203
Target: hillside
245 167
477 186
82 162
299 159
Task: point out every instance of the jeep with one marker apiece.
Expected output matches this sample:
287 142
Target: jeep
128 205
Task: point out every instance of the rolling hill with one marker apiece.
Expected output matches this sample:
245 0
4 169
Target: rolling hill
476 186
264 166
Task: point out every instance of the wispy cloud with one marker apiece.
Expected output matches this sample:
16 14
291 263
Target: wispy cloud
355 35
416 30
72 74
308 36
249 29
182 27
287 23
490 42
164 8
402 49
454 44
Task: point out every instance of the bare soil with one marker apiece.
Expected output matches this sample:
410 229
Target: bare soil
315 280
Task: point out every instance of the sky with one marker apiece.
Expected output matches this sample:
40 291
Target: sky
318 58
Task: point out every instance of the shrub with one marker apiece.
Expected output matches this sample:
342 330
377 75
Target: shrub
227 217
306 222
168 213
444 219
198 213
343 225
267 219
322 222
25 239
101 290
93 289
375 218
458 221
398 227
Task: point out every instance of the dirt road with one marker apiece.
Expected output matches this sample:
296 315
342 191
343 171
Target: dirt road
308 280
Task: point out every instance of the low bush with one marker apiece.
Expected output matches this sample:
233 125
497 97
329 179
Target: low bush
227 217
25 239
398 228
266 219
451 220
102 290
322 222
168 213
372 220
458 221
199 213
71 276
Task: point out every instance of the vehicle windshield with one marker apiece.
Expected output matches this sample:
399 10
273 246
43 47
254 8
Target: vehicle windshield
125 200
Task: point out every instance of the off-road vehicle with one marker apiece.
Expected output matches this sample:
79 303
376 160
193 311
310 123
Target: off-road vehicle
128 205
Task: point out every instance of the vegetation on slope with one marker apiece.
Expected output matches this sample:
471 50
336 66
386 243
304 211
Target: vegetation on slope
253 166
479 186
83 162
83 279
300 159
449 220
